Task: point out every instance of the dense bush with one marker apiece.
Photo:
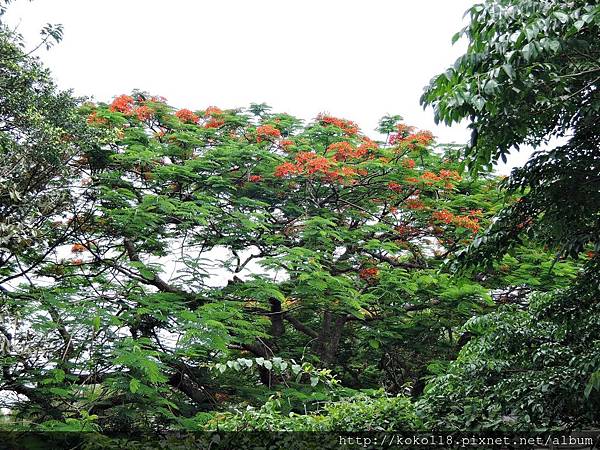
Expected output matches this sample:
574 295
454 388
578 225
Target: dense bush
359 413
533 369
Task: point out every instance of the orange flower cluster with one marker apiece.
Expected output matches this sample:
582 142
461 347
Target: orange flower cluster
344 172
367 145
143 112
422 138
408 163
411 140
443 216
78 248
406 231
395 186
285 169
285 144
468 222
267 131
187 116
254 178
369 273
344 150
158 99
430 177
404 129
212 111
123 104
414 203
346 126
450 175
310 163
213 122
93 119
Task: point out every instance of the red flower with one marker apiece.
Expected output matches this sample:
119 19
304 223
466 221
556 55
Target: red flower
405 230
304 157
285 169
254 178
158 99
430 177
187 116
395 186
78 248
423 138
212 111
341 150
143 112
470 223
346 126
347 172
344 150
443 216
286 143
408 163
403 132
365 147
404 129
414 203
313 163
369 273
450 175
93 119
123 104
214 123
266 131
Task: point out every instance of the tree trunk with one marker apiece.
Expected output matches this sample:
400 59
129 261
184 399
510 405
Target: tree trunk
327 343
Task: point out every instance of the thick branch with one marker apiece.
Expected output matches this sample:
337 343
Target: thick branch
300 326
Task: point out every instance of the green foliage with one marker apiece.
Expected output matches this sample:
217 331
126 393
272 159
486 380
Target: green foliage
228 255
42 132
531 73
166 269
533 369
359 413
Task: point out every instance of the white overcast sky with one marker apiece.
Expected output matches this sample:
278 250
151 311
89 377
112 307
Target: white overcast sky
354 59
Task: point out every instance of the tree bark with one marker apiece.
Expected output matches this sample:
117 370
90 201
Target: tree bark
328 340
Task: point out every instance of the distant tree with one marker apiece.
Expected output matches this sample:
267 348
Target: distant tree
41 131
